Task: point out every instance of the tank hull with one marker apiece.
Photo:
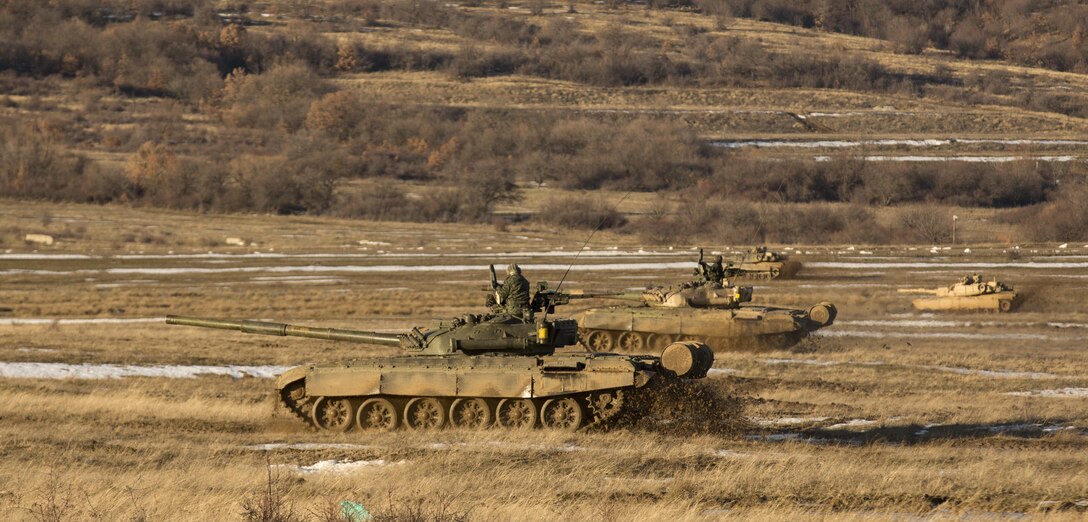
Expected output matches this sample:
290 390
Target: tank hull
638 329
995 302
592 385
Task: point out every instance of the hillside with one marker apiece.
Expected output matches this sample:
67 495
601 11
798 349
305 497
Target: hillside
429 112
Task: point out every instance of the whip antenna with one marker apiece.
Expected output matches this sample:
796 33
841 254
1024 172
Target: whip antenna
588 239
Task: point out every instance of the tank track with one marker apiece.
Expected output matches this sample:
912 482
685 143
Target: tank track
605 408
293 397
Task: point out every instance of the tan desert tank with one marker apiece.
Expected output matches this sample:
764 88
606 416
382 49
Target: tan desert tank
971 293
703 311
760 263
473 371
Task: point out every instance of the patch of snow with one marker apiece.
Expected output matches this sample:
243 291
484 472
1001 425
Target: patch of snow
787 421
38 370
338 467
42 257
1060 393
960 266
842 144
967 159
1067 325
38 350
307 446
930 335
350 269
67 322
1008 374
812 362
855 423
906 323
728 454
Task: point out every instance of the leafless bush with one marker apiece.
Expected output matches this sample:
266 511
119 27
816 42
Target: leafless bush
419 509
1064 219
279 98
908 34
55 501
269 503
923 226
581 212
337 114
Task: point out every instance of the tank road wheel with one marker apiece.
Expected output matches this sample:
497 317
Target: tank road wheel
517 414
599 341
657 341
1004 305
774 273
562 414
473 414
378 415
631 342
424 413
333 414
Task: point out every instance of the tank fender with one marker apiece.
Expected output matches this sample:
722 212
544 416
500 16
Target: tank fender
290 376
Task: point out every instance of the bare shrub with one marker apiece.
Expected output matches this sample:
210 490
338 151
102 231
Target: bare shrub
418 509
55 501
336 114
923 226
908 34
34 165
380 202
269 504
280 98
1064 219
581 212
473 62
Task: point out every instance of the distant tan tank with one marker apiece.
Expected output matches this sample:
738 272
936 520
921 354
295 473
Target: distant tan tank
473 371
971 293
759 263
702 311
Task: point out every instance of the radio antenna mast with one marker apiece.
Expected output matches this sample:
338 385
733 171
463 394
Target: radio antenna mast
588 239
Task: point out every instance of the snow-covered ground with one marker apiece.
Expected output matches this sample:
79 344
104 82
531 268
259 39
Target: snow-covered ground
1060 393
922 143
337 467
39 370
67 322
1007 374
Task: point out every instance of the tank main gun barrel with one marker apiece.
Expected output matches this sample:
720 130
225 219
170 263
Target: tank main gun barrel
927 291
291 330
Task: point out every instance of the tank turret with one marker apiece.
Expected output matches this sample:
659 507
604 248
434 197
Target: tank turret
695 295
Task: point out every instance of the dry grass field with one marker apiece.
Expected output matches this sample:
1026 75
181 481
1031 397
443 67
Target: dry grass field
889 414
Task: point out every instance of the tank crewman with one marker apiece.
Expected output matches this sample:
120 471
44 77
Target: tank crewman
711 272
513 295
